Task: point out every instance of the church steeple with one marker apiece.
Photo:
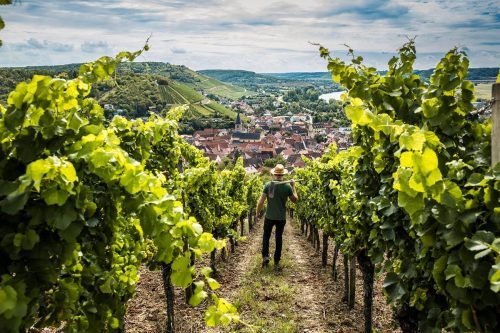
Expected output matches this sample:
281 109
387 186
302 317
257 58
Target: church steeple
238 125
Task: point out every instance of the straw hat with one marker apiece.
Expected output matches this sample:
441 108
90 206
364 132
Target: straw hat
279 170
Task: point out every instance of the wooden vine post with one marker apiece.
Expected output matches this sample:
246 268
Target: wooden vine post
242 225
189 291
169 294
345 298
308 231
324 257
223 254
213 263
250 224
316 236
334 263
232 239
352 281
495 128
368 270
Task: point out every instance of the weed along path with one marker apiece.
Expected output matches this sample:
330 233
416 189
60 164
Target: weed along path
292 300
302 297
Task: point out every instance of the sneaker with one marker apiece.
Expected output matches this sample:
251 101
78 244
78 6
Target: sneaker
277 268
265 263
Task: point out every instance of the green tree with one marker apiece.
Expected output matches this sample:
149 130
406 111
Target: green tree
2 24
271 162
225 164
320 138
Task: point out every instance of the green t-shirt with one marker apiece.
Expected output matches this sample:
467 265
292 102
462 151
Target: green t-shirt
276 202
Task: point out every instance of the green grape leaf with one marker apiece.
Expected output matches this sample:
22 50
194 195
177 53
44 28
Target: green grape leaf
63 217
214 285
8 298
182 278
430 107
54 196
495 278
36 170
206 242
199 294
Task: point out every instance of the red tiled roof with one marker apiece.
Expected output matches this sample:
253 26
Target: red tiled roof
299 164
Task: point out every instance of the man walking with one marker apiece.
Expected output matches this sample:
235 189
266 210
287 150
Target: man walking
276 192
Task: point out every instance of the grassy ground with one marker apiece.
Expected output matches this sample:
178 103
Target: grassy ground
221 109
265 298
179 94
224 90
213 86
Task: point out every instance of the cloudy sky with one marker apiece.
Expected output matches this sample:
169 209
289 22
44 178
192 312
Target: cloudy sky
257 35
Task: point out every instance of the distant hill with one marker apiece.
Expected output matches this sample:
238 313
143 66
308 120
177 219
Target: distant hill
241 77
177 73
250 80
10 77
484 74
188 77
303 76
136 93
321 80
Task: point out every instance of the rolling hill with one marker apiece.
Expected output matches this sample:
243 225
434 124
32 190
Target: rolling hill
475 74
250 80
177 73
174 93
135 93
190 78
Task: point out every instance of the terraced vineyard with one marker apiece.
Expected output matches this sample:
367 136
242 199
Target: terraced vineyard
191 78
176 94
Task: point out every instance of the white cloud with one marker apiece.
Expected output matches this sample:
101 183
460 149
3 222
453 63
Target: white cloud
176 50
258 35
35 44
94 47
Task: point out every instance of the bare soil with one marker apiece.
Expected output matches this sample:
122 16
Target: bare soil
311 302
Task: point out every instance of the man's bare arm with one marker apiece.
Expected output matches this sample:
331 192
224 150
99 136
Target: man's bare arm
260 204
294 197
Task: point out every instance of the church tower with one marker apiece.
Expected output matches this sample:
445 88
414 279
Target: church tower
238 125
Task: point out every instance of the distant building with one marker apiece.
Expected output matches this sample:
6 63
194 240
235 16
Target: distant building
238 124
245 137
206 133
319 128
301 118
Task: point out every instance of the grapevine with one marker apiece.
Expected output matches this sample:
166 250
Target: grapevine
415 195
81 200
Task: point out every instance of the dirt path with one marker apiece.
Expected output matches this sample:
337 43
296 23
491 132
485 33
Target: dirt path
324 310
301 298
311 294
